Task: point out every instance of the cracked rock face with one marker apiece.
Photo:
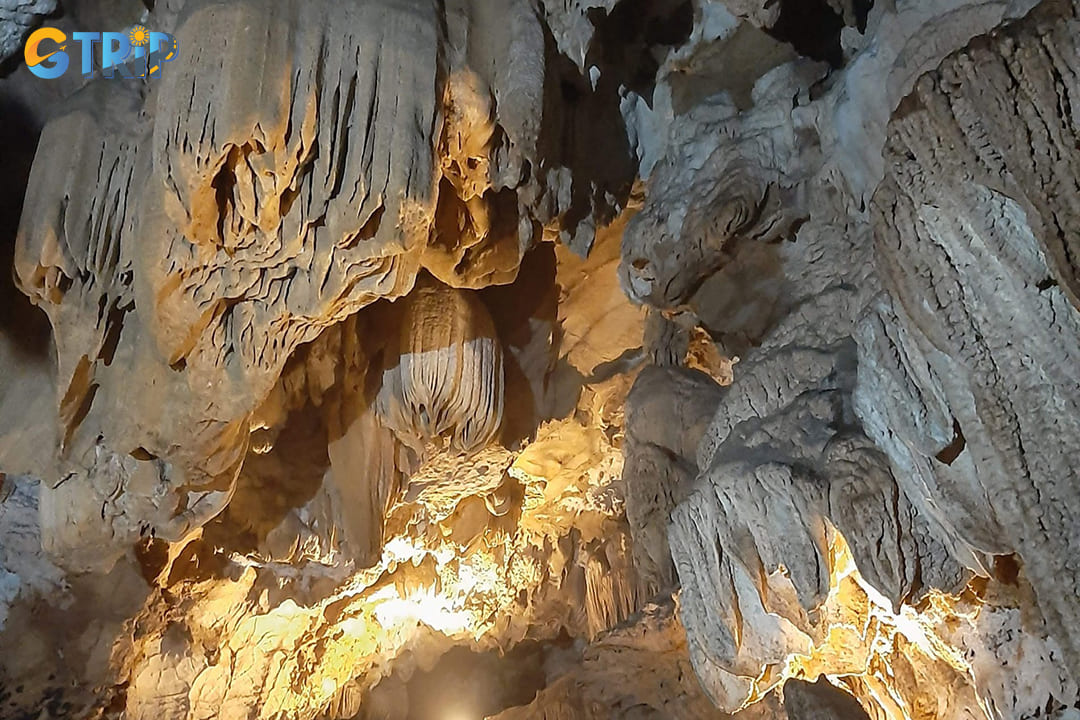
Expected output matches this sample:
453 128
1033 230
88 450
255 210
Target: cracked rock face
621 358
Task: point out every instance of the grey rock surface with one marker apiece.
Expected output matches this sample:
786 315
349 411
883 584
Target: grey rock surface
17 19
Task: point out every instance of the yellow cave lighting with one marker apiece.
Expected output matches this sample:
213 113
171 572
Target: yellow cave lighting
434 611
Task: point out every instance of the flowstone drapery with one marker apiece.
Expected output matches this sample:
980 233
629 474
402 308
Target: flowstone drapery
642 358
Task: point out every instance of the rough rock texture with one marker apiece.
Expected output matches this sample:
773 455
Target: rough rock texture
638 670
982 315
17 19
668 410
808 701
902 291
678 359
204 235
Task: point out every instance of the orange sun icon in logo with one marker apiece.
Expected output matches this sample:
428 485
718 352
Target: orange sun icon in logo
139 36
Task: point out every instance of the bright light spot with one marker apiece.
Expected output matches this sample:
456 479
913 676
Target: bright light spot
434 611
865 636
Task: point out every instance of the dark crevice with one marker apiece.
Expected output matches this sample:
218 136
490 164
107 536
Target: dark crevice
583 129
272 484
141 453
19 320
224 184
113 325
1007 569
862 13
949 453
813 28
624 42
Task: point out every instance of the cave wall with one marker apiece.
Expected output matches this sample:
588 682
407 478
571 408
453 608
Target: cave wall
724 343
901 370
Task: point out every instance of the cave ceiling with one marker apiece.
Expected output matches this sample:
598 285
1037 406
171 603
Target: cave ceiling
543 360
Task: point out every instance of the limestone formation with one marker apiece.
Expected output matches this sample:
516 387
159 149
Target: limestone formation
878 401
572 358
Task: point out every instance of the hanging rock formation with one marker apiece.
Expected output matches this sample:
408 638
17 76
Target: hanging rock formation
899 290
641 358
